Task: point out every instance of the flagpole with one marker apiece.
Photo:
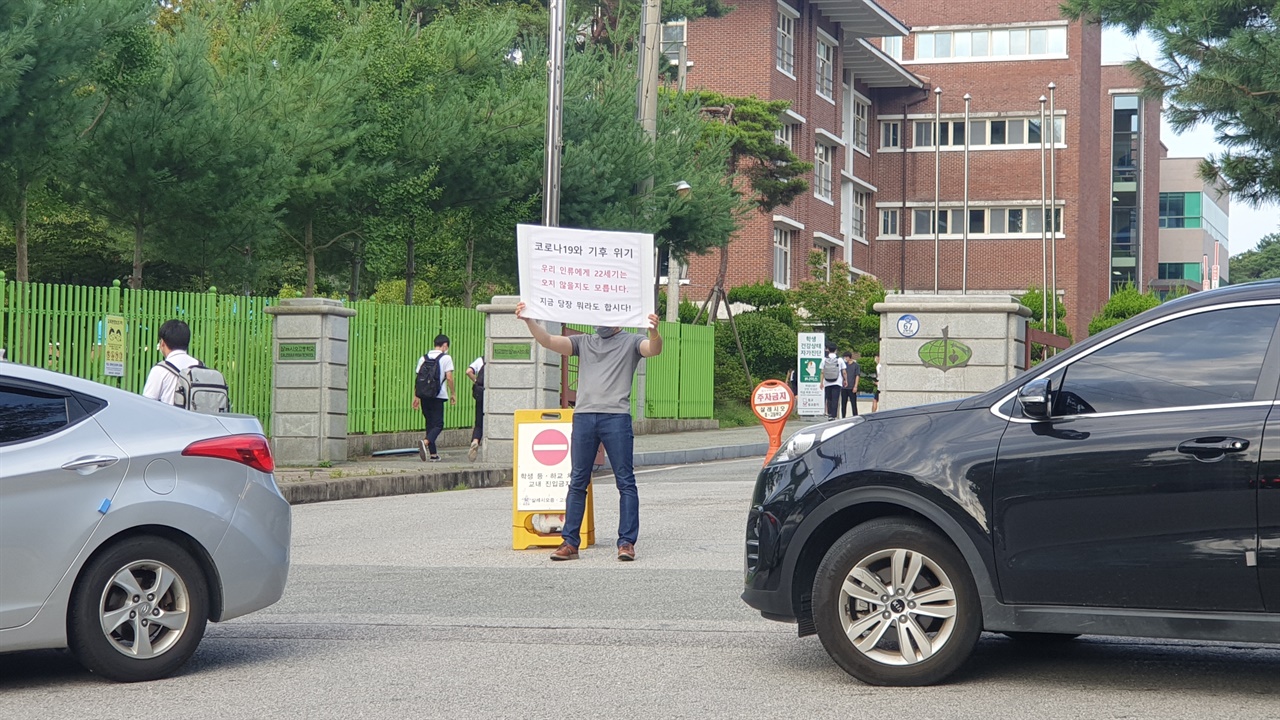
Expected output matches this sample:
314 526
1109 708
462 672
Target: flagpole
964 263
1053 205
1044 239
937 186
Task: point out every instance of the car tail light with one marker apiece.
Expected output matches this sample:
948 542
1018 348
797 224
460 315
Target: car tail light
251 450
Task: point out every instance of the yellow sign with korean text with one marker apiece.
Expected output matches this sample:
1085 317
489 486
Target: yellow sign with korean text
113 353
540 480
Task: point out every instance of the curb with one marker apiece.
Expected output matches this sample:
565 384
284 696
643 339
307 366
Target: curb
314 491
305 492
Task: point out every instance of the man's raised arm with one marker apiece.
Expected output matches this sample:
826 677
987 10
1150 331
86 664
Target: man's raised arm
554 343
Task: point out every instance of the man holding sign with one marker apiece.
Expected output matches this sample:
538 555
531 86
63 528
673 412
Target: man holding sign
607 362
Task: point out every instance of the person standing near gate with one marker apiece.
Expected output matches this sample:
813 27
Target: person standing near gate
432 388
607 362
162 381
832 381
475 371
849 394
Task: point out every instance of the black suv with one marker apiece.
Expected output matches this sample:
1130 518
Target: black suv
1128 486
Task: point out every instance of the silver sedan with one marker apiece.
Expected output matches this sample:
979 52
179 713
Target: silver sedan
127 524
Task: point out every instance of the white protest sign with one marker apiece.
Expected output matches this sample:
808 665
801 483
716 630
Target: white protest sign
592 277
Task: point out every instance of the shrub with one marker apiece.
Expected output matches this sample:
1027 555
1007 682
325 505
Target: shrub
391 292
759 295
1124 304
770 348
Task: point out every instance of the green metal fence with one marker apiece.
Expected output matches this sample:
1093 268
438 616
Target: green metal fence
386 343
63 328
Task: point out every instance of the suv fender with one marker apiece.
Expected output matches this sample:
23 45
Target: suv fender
978 561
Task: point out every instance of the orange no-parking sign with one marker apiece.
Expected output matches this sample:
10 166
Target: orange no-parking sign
773 402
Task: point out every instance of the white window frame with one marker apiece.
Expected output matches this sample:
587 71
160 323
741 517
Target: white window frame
785 40
1030 229
861 123
890 222
674 57
824 156
786 135
783 239
824 69
891 130
960 45
980 142
892 46
858 215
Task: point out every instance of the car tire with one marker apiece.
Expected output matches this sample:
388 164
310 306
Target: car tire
1041 638
883 634
142 587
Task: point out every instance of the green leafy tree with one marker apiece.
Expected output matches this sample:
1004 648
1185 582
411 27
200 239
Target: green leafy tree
770 349
1260 263
61 66
770 169
1124 304
841 308
1220 64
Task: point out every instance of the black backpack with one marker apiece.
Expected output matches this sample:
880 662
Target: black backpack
427 384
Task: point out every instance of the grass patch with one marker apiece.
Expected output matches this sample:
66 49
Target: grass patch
735 414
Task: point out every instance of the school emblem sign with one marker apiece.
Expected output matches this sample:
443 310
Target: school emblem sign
945 353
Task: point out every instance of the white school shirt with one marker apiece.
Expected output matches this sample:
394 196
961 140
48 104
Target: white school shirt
161 383
446 366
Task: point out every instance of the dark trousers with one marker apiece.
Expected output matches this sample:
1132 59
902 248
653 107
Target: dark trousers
833 400
433 411
477 430
614 431
848 397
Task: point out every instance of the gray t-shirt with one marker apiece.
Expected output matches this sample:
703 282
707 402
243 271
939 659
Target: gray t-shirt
606 367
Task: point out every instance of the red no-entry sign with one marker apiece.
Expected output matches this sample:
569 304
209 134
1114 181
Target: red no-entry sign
550 447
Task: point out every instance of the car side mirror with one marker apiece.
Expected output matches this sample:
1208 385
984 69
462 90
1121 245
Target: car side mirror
1036 398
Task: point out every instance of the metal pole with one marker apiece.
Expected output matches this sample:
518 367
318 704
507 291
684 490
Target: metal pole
1053 207
555 114
647 99
937 174
675 268
902 216
964 263
1044 239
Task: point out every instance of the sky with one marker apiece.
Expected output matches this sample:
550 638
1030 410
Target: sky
1248 224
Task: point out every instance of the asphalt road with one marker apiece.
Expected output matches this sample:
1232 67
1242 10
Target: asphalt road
416 607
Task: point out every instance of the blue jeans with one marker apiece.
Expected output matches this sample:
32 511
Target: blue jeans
614 431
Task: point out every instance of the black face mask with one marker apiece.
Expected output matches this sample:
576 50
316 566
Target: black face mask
607 332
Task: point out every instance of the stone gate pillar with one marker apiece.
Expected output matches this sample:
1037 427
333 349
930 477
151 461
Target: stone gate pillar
519 374
309 381
946 347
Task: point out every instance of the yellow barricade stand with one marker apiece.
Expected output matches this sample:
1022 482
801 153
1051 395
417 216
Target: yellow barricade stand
540 481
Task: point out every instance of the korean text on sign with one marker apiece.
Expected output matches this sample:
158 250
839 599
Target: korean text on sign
591 277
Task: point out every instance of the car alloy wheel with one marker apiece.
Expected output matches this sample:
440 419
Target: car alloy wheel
139 609
895 604
144 609
897 607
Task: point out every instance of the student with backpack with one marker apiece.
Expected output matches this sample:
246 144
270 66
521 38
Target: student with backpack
475 371
849 394
432 388
182 380
832 381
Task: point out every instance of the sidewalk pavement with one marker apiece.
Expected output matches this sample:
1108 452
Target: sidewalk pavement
406 474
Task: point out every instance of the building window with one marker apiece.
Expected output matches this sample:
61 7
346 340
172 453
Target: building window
861 120
823 162
888 222
786 135
858 215
981 221
1181 271
982 133
824 77
786 55
890 135
673 40
782 257
1013 43
892 47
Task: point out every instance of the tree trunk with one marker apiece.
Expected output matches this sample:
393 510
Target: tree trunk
720 280
469 285
139 233
20 233
357 260
409 263
309 243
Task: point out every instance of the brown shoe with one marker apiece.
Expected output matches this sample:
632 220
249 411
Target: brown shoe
626 552
565 552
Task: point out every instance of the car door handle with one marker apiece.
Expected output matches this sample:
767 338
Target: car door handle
90 463
1215 447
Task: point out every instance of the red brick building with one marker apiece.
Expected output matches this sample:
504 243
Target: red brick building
889 186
